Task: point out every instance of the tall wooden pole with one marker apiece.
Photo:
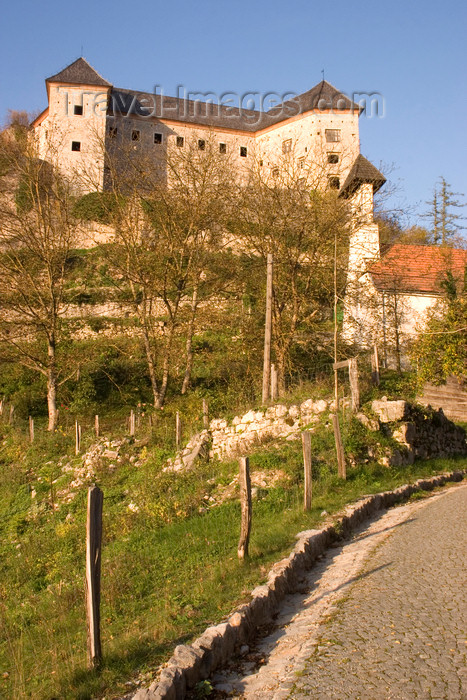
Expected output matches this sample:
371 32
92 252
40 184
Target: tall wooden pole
93 574
96 425
306 445
336 385
245 502
267 331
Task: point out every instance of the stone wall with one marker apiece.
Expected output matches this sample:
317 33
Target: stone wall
225 439
423 433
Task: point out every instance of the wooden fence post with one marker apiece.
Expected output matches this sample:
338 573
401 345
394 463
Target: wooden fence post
93 574
132 422
375 365
306 445
178 430
341 470
273 382
12 412
31 429
1 407
96 425
77 438
354 388
245 502
205 414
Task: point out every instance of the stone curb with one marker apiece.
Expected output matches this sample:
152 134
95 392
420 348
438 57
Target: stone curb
216 646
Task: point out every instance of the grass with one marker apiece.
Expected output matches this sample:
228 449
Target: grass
169 565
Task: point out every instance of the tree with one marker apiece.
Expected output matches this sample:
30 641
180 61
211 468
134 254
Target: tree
287 213
440 349
166 228
37 233
446 222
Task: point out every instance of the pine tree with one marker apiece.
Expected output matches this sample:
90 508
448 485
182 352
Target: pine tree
446 222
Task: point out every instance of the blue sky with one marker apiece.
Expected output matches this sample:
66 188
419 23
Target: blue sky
412 53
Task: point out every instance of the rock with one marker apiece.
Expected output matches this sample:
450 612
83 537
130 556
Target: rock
389 411
369 423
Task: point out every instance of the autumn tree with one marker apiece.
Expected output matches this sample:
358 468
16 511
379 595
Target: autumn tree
166 226
37 233
287 212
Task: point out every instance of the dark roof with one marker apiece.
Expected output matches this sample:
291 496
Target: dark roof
79 72
362 171
418 269
322 97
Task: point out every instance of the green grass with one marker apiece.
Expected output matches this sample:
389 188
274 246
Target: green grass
168 570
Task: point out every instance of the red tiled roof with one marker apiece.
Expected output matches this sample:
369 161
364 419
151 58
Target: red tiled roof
418 269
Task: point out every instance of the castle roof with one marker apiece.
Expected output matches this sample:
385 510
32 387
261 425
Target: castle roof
362 171
80 73
323 96
418 269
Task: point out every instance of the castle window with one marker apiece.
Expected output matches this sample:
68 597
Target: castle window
243 151
136 135
157 138
333 182
76 145
78 110
301 163
261 163
201 144
287 146
333 135
333 158
222 148
112 132
180 141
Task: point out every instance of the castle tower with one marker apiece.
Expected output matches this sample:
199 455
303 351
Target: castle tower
71 131
363 181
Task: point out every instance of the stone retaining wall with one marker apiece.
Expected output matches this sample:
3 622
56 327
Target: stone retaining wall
193 663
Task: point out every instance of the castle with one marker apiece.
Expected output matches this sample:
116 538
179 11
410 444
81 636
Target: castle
319 127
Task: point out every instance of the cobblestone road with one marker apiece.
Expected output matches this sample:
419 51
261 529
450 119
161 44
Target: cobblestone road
402 631
383 617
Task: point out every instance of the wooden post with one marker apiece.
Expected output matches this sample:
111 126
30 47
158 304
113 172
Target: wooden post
267 331
150 421
96 425
31 429
306 445
205 415
178 430
354 388
273 382
132 422
1 407
12 411
341 470
375 365
245 503
77 438
93 574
